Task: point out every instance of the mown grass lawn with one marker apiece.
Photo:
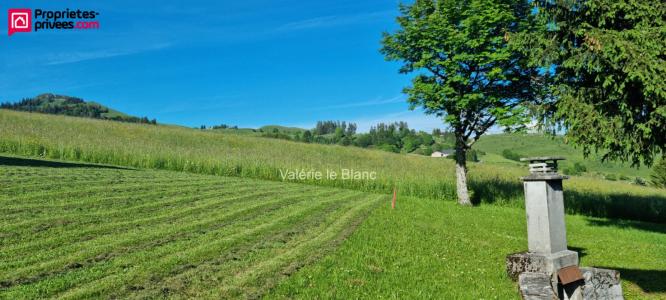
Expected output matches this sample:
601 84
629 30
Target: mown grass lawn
78 231
429 249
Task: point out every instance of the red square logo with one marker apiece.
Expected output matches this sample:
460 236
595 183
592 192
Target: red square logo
20 20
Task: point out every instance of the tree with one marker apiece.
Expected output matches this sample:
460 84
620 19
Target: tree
608 62
659 173
467 70
307 136
339 134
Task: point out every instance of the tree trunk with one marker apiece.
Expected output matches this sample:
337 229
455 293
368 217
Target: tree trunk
461 174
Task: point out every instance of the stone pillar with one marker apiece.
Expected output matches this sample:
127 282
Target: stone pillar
544 206
546 232
549 270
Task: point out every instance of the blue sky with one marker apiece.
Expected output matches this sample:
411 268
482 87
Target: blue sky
246 63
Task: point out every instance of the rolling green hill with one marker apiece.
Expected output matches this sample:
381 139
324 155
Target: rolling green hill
540 145
72 106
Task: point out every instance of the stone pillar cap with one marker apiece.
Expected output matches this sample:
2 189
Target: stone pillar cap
542 158
543 168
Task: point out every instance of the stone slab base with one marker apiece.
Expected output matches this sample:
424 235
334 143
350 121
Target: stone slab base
598 284
518 263
536 286
601 284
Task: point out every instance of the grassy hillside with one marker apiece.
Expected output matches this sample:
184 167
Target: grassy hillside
81 231
72 106
206 152
539 145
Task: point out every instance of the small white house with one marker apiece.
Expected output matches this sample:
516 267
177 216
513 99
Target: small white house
443 153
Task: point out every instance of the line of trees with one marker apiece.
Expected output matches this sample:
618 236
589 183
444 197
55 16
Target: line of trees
335 127
394 137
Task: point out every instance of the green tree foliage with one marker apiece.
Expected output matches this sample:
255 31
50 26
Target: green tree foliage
329 127
659 173
393 137
307 136
609 63
467 70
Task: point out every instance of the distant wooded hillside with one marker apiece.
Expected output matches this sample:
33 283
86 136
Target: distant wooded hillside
72 106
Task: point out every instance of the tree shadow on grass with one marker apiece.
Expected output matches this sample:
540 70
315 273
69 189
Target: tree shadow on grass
495 190
650 281
650 208
645 226
29 162
619 206
582 252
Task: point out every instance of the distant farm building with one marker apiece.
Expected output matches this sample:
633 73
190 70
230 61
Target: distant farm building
443 153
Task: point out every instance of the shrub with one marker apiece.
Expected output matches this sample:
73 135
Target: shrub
659 174
389 148
427 151
639 181
576 169
508 154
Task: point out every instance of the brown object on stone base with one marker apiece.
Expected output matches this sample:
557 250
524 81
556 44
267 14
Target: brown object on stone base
569 274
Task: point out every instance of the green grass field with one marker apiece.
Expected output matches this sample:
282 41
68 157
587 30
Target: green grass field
76 231
208 152
183 213
429 249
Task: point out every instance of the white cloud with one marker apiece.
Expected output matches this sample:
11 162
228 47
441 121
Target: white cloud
72 57
331 21
377 101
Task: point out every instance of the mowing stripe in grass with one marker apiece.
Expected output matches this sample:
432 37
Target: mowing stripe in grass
219 279
82 191
50 183
58 233
110 207
295 250
167 217
30 181
198 254
149 255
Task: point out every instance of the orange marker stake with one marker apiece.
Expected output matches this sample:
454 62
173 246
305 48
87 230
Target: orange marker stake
394 196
